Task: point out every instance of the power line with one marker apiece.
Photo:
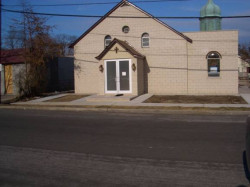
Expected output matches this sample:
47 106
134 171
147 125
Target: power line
166 68
161 38
102 3
99 16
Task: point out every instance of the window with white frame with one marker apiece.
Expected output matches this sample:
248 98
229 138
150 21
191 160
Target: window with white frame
145 40
107 40
213 63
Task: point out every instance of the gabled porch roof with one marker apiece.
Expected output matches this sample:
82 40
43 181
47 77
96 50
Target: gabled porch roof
125 45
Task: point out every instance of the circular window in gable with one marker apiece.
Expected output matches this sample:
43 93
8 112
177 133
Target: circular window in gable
125 29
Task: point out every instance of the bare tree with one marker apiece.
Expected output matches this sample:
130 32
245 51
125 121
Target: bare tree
64 40
38 46
13 38
244 51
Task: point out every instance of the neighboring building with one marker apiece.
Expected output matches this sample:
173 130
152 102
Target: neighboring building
60 74
145 55
12 64
244 68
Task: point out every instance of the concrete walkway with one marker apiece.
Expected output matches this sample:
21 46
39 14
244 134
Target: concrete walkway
136 102
246 97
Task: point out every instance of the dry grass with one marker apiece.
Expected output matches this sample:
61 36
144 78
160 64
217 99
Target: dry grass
177 108
67 98
196 99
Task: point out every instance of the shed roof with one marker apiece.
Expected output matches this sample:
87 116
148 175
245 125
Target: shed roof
13 56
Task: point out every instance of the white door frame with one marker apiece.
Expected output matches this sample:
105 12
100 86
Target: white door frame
118 91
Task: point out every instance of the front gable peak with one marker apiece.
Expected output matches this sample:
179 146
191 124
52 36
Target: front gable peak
127 3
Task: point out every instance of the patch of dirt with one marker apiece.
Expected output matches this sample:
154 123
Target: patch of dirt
67 98
196 99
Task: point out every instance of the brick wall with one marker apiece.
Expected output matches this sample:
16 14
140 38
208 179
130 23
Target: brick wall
167 59
161 55
224 42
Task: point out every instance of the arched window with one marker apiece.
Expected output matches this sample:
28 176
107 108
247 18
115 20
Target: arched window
145 40
107 40
213 64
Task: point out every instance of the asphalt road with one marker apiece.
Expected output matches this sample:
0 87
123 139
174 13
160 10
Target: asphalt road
62 148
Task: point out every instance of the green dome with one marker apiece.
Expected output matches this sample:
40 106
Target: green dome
210 9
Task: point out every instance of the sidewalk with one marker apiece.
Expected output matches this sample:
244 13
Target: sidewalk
138 101
131 103
135 105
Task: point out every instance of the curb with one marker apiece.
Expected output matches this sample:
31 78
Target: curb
133 109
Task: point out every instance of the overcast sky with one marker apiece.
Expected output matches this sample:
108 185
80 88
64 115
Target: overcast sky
76 26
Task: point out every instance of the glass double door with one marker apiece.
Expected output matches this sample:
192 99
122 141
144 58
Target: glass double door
118 76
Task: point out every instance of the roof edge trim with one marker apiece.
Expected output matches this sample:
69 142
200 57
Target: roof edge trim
97 23
119 5
134 53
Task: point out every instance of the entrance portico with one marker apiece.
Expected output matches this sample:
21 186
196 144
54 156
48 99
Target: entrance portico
122 69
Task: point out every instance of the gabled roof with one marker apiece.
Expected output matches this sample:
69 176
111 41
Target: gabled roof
122 3
125 45
13 56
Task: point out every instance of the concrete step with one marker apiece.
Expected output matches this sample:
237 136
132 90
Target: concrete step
110 98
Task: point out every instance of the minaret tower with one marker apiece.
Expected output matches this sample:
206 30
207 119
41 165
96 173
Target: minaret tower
210 17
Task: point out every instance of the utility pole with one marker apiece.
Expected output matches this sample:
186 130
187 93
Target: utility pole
0 51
